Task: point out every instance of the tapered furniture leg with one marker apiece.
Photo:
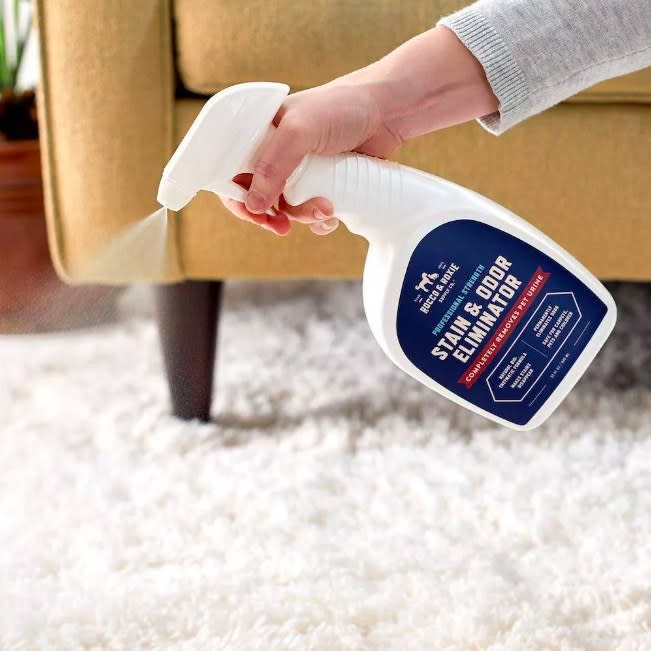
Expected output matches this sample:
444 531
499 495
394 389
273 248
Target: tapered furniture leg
187 322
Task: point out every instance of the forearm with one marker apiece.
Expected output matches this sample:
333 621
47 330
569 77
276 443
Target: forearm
434 81
430 82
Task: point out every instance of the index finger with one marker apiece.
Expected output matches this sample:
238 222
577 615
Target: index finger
279 157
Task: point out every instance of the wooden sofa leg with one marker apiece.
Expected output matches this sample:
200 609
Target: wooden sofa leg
187 324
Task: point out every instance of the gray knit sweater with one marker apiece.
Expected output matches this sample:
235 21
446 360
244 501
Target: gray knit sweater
539 52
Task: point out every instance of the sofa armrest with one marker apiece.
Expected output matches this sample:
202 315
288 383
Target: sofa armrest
106 104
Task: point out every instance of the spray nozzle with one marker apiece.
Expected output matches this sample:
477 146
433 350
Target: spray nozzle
221 143
171 195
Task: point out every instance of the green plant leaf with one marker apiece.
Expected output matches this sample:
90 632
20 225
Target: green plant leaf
5 73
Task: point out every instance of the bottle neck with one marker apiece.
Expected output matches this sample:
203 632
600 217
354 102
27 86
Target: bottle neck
373 197
392 198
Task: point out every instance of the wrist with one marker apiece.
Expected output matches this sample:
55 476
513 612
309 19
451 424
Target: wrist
430 82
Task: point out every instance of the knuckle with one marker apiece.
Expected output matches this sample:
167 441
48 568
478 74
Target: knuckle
294 128
265 169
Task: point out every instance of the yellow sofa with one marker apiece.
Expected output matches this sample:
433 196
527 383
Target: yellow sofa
122 81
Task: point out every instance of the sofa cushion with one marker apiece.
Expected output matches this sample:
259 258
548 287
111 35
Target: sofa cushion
597 206
223 42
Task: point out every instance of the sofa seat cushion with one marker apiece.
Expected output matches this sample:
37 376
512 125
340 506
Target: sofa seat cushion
223 42
594 205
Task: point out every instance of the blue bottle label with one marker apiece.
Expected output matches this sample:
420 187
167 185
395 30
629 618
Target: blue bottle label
493 319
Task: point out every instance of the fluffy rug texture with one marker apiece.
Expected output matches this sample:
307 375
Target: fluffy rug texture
332 504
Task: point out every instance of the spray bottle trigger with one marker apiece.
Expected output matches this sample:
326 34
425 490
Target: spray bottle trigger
237 193
227 190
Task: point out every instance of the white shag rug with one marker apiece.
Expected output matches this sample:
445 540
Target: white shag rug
333 504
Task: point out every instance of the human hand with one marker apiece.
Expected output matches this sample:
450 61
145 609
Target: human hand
430 82
343 115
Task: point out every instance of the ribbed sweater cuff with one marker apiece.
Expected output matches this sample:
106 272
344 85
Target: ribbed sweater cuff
502 70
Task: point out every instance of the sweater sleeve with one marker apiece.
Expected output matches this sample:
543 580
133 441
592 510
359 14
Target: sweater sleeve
537 53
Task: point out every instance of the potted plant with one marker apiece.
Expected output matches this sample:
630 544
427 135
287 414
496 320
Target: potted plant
32 298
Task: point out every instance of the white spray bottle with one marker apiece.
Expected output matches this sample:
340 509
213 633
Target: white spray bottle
460 293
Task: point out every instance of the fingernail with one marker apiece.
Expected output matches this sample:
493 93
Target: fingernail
318 215
255 202
328 226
